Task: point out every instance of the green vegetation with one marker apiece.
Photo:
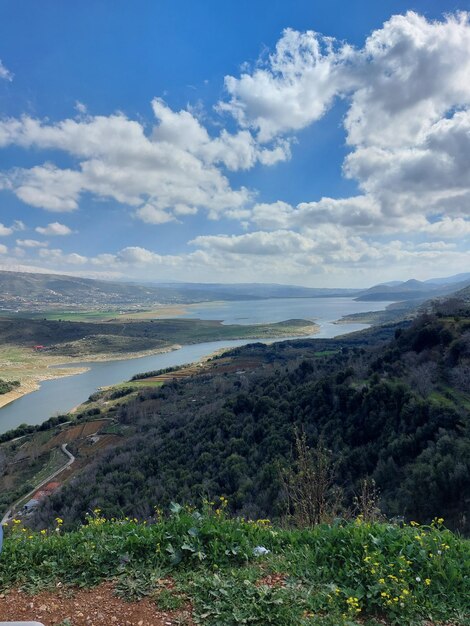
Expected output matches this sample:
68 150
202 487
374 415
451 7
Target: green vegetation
82 339
8 385
232 571
396 413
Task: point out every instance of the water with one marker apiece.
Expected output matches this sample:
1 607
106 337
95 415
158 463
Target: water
60 395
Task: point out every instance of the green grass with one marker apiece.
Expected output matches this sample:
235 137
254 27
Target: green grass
343 574
138 384
77 316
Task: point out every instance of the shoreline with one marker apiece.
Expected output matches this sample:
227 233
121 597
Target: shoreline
68 366
71 368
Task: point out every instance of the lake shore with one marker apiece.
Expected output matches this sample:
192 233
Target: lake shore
32 375
33 368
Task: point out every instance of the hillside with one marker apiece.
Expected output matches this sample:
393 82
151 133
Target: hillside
396 411
35 292
413 290
195 566
21 291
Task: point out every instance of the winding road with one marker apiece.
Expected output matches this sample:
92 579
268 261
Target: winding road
8 515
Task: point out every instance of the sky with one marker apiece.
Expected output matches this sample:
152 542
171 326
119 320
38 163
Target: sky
322 143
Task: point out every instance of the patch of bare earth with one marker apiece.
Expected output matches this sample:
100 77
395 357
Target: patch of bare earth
87 607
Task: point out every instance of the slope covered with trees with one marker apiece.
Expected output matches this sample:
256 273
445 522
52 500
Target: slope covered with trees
396 411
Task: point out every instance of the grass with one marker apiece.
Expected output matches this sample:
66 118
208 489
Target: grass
341 574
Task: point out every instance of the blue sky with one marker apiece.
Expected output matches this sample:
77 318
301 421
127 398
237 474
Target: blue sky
317 143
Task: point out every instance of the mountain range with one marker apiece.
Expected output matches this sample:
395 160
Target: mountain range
22 291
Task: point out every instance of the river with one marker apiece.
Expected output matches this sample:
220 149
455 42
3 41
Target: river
61 394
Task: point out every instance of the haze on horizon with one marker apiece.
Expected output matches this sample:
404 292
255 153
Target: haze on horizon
322 144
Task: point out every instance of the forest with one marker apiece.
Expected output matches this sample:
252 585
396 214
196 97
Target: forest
394 410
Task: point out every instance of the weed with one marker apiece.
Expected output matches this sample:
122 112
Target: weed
340 574
168 600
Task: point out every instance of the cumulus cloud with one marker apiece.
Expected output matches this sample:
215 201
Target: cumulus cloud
293 89
178 164
407 124
54 229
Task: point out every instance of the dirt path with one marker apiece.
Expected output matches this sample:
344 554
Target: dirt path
87 607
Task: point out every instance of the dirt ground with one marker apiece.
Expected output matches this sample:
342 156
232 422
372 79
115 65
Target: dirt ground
86 607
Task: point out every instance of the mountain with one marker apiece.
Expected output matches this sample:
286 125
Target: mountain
456 278
414 290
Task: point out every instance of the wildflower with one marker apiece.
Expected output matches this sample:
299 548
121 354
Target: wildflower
260 551
427 581
43 531
414 524
353 604
418 579
59 521
382 581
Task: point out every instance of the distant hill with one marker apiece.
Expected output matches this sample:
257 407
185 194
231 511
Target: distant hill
412 290
35 292
28 291
24 291
258 290
447 280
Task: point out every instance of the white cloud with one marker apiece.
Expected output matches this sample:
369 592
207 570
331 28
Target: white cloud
31 243
410 73
408 121
177 164
153 215
5 231
56 257
257 243
293 89
448 228
4 73
3 249
80 107
54 229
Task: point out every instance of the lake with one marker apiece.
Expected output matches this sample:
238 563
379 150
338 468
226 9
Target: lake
60 395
